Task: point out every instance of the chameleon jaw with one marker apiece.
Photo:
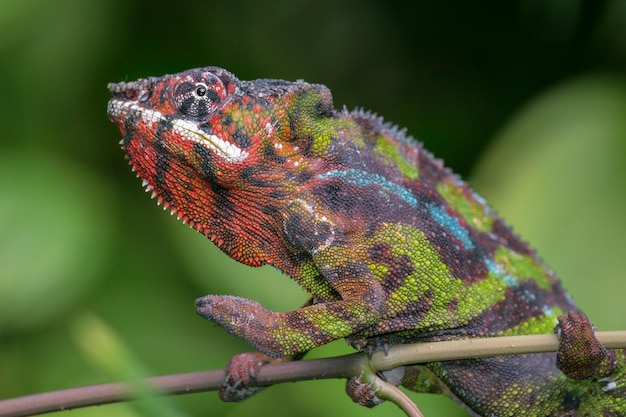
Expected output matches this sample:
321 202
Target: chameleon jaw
224 149
120 109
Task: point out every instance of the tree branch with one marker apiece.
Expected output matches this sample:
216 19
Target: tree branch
338 367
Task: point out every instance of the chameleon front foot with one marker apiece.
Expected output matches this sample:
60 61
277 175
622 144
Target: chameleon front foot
580 354
240 371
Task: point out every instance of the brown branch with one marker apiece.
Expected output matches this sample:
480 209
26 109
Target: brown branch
337 367
108 393
480 348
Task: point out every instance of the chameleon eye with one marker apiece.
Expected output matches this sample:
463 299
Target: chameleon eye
200 90
199 98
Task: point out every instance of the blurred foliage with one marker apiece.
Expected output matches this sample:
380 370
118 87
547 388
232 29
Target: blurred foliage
98 285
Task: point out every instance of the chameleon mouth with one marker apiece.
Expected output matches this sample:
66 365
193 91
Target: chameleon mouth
186 130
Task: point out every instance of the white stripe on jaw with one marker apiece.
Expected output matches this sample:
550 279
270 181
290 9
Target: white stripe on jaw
187 130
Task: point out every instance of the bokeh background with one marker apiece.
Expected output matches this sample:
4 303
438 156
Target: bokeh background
525 98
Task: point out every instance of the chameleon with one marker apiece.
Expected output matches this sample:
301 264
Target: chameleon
391 245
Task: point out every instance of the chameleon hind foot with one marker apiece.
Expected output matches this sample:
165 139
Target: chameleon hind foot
362 393
580 354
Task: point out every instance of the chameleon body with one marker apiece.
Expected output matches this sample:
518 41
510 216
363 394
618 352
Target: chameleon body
391 246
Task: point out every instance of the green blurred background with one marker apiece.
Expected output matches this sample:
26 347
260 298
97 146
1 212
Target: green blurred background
525 98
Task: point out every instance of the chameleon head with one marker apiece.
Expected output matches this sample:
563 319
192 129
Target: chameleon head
177 107
215 150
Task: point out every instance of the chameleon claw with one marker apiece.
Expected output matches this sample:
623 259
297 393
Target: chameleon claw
362 393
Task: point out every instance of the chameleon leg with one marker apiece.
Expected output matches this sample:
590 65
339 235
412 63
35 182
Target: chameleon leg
242 369
338 263
283 334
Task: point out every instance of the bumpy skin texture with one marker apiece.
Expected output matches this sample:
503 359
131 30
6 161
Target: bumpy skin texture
391 246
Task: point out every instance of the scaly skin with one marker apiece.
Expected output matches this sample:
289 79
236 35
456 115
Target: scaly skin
391 246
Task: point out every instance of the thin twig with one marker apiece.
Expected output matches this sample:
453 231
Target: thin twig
392 393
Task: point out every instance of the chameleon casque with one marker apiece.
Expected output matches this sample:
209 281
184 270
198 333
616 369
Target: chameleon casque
391 246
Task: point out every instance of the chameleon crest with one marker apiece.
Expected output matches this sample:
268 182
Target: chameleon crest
391 246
